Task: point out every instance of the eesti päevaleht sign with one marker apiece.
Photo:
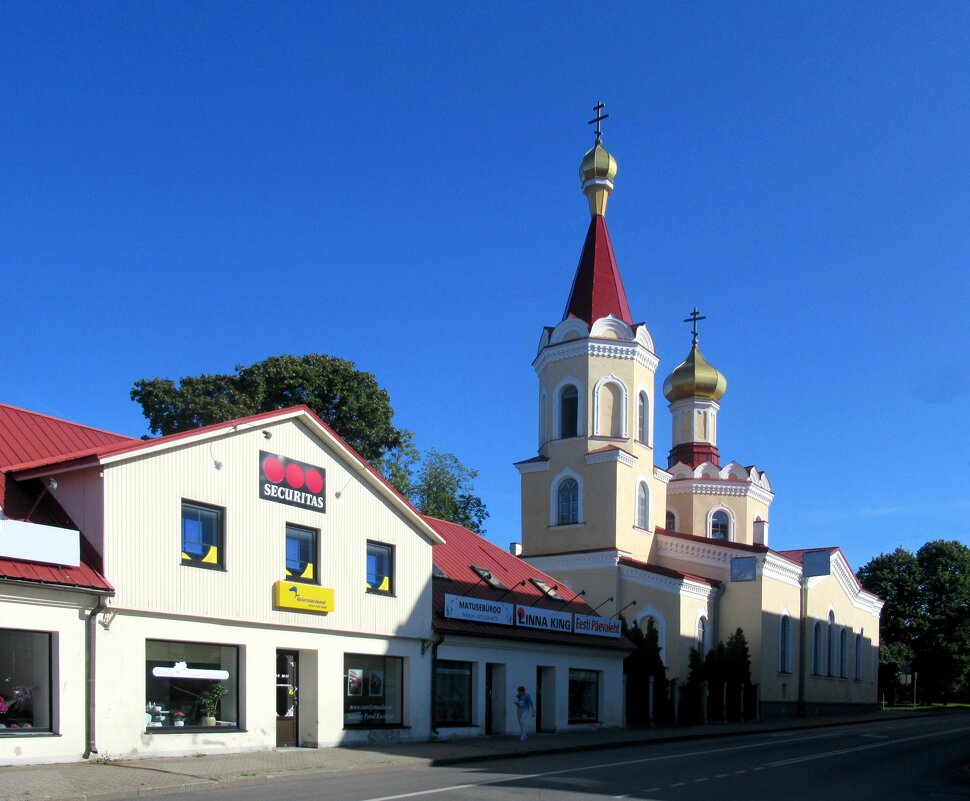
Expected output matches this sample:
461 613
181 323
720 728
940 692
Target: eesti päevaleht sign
291 482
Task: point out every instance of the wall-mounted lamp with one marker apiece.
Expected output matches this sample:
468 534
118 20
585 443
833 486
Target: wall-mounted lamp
608 600
52 483
579 594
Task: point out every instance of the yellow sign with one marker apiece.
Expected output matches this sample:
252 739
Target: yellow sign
306 597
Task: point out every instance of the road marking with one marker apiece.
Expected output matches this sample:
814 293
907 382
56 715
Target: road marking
839 752
699 780
722 775
664 758
677 784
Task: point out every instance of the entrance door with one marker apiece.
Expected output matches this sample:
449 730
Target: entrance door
545 699
287 695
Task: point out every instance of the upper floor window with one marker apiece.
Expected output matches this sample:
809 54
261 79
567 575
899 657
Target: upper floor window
643 505
380 568
670 522
720 525
643 418
568 502
568 412
202 536
301 553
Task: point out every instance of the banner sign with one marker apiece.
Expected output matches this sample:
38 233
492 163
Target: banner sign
600 626
531 617
291 482
304 597
744 568
479 610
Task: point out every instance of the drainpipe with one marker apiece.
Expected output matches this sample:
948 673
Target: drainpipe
90 675
439 638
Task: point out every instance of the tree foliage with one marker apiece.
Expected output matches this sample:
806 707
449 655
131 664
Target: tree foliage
639 666
925 624
348 400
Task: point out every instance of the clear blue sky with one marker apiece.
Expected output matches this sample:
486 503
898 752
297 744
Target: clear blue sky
189 186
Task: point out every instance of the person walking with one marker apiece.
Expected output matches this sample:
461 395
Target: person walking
523 706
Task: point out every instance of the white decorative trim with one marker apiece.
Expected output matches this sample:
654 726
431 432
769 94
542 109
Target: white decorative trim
682 587
532 467
611 324
624 403
571 325
609 348
611 455
645 338
661 475
710 553
575 561
781 569
557 407
554 497
716 486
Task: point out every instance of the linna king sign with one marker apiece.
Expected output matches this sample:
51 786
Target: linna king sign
291 482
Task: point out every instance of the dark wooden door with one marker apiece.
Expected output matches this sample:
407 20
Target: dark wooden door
287 698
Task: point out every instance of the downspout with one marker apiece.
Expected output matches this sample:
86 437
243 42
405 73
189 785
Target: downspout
90 676
439 638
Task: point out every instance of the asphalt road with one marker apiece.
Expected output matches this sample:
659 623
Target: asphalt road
922 759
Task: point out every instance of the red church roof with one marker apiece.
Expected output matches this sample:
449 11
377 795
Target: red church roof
597 289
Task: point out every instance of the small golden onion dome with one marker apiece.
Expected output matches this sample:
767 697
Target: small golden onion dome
695 377
597 163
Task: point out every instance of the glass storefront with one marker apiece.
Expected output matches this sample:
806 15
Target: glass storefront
373 691
453 693
25 681
191 684
583 696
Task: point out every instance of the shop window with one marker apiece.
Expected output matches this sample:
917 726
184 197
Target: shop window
583 696
202 536
301 554
453 693
373 691
568 502
380 568
25 681
191 684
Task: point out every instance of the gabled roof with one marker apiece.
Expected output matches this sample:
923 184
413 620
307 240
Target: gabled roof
597 289
463 549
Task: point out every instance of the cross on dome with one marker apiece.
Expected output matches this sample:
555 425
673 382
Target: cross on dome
694 317
598 108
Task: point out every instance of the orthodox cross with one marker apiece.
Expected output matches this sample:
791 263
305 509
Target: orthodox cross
598 108
694 317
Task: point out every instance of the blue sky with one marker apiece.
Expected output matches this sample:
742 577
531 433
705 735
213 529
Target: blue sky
189 186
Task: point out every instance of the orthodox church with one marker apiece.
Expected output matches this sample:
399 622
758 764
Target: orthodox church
685 545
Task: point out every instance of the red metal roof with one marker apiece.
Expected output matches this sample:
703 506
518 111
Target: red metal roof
666 571
462 549
597 289
81 577
740 546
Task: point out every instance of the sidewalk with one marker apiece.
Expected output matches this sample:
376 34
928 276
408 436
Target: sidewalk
106 780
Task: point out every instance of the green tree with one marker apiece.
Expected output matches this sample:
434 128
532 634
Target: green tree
444 488
350 401
639 666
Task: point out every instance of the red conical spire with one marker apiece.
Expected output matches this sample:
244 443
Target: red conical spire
597 289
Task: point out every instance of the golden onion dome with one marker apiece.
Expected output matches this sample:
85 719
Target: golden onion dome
695 377
597 163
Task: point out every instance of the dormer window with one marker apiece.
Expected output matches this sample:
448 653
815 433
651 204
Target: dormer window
488 577
545 589
568 412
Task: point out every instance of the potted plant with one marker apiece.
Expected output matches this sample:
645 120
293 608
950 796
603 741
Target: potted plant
209 703
178 718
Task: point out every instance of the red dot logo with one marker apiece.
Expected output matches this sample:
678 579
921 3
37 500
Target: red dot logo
314 481
294 475
273 470
521 613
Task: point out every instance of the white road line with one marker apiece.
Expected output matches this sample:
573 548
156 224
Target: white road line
700 780
677 784
881 744
722 775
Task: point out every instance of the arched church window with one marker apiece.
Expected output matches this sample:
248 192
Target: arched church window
670 522
568 502
817 649
701 636
843 653
858 657
831 638
643 418
568 412
784 645
720 525
643 505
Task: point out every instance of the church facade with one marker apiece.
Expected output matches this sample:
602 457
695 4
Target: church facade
686 545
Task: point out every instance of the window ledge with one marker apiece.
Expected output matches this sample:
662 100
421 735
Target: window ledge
568 525
27 733
191 729
385 593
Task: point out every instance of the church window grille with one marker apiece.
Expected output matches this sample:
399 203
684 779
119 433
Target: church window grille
784 645
643 505
817 649
568 412
720 525
568 502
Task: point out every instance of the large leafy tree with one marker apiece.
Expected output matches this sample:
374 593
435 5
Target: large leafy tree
349 400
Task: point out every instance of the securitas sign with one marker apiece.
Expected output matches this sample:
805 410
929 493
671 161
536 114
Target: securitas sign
600 626
531 617
478 609
291 482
